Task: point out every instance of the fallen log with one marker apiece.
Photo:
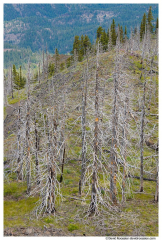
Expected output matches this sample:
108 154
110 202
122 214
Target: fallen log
147 179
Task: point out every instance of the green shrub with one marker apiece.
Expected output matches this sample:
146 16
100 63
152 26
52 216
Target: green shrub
68 171
48 220
72 227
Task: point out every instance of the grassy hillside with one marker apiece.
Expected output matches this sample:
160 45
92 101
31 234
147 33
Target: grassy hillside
60 98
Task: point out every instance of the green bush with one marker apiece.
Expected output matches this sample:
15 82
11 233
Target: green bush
72 227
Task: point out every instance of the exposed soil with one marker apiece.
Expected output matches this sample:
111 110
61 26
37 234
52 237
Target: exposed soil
35 231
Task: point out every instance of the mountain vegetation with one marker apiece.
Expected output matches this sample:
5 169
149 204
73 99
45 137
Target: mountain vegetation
81 137
34 26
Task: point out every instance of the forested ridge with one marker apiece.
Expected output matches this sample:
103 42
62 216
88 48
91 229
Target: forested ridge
81 138
34 25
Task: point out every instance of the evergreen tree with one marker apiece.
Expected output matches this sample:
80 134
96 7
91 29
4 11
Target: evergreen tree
125 32
108 34
157 25
76 45
56 59
113 33
99 32
86 43
149 20
15 77
143 26
19 81
121 34
51 69
22 80
69 62
104 40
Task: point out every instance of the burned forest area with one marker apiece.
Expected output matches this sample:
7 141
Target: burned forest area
81 142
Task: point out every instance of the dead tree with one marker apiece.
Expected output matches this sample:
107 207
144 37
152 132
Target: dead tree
93 204
46 62
11 84
5 88
142 135
51 167
19 161
39 74
36 151
110 42
113 165
156 197
43 67
62 138
124 148
84 95
28 174
113 172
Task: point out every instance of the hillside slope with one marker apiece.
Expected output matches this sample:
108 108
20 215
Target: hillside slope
52 111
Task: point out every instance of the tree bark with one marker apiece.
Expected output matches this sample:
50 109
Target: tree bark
124 149
19 165
142 137
84 95
28 135
93 205
51 170
113 169
36 152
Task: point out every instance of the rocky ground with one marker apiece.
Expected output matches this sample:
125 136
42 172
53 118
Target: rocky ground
34 231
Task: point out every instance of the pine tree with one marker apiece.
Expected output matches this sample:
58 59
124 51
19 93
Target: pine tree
149 19
56 59
113 33
51 69
16 79
121 34
104 40
99 32
157 25
108 34
22 80
76 45
81 52
86 43
125 32
143 26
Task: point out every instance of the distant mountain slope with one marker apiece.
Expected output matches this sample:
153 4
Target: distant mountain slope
35 25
